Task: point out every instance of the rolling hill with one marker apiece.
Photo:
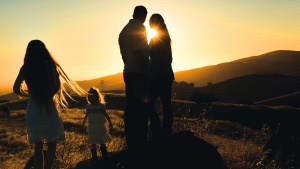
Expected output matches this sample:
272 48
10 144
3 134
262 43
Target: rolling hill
280 62
253 88
112 82
283 62
292 99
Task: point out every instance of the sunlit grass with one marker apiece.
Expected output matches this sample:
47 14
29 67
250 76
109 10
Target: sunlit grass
242 151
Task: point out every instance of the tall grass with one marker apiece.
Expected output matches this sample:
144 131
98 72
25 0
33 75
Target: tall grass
240 146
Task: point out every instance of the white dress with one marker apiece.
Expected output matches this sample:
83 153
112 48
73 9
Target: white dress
41 125
97 128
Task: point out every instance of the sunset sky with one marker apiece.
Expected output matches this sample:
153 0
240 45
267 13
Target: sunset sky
83 35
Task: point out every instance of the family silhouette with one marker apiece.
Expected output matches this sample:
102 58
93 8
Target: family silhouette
147 75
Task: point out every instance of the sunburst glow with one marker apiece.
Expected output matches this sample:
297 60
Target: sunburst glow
151 33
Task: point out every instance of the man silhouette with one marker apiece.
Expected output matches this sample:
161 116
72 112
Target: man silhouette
133 45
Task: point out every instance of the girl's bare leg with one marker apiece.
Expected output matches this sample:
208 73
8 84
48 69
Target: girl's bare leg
50 156
103 150
94 151
38 155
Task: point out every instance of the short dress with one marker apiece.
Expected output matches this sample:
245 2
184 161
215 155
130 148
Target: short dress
42 125
97 128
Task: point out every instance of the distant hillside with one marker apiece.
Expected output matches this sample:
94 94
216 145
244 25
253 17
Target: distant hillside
5 90
292 99
281 62
253 88
276 62
112 82
269 89
9 97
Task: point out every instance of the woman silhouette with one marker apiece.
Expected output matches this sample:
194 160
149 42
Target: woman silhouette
161 76
45 91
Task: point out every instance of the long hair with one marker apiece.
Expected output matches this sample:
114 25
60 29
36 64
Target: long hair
42 76
157 23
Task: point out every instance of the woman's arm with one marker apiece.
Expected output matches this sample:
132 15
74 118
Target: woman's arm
17 88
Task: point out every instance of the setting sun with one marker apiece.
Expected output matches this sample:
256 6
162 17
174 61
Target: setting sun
201 34
151 33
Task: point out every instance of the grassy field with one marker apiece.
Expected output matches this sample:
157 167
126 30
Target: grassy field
239 146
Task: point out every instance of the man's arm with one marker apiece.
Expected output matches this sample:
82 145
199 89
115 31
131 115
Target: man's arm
142 59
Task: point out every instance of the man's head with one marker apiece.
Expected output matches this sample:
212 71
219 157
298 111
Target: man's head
140 13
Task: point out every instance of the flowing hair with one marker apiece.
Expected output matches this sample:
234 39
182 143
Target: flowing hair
42 76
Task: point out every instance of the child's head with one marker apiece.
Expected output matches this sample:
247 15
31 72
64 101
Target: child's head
94 96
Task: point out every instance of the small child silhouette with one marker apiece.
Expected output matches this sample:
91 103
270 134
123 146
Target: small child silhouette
97 117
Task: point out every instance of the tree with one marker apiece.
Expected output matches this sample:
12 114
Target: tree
183 83
191 84
102 85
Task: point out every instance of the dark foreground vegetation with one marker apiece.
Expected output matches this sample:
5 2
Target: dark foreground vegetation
241 136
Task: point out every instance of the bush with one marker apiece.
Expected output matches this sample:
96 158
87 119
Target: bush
199 97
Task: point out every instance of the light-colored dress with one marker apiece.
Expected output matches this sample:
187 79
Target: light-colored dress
42 125
97 128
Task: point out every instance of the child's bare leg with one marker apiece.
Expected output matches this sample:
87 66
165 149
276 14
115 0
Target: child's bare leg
38 155
103 149
50 155
94 151
93 146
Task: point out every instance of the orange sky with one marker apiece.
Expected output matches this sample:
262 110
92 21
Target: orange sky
83 35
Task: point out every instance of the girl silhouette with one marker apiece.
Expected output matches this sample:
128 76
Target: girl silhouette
41 74
97 117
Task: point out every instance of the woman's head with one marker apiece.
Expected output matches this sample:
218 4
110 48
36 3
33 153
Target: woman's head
37 53
36 46
94 96
42 75
39 72
157 23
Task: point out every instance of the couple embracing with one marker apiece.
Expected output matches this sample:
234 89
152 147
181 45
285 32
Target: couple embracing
147 75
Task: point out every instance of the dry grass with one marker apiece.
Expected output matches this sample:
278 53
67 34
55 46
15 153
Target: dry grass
240 147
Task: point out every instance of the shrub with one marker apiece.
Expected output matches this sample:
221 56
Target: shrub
199 97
